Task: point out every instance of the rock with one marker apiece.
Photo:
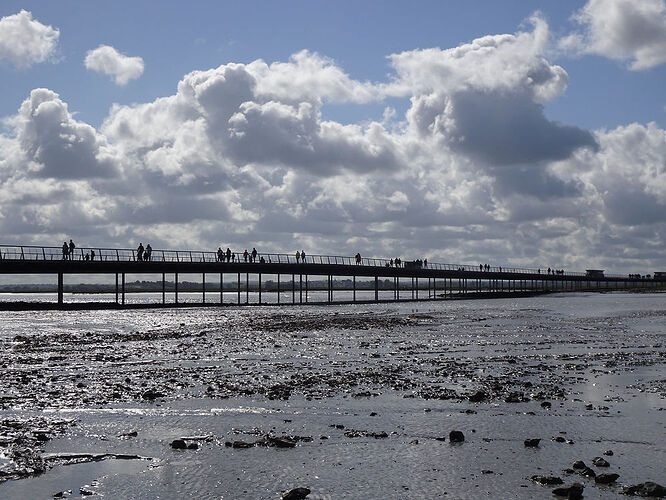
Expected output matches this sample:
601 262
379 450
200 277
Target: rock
589 407
600 462
548 480
193 446
579 464
62 494
546 404
179 444
516 397
587 472
487 471
440 438
646 489
478 396
281 442
531 443
296 494
241 444
608 453
128 434
559 439
85 492
152 394
606 478
414 441
456 437
572 492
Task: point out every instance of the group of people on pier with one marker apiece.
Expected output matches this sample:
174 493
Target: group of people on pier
144 254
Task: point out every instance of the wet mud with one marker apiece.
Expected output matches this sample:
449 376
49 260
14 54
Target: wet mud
370 379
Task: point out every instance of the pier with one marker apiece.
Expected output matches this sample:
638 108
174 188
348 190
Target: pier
342 279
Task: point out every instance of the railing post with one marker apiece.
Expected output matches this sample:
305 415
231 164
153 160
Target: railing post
22 256
43 253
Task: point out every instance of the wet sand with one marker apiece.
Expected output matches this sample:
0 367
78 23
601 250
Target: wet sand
348 401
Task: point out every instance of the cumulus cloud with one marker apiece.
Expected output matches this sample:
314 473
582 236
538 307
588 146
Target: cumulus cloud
243 154
624 30
25 41
59 145
107 60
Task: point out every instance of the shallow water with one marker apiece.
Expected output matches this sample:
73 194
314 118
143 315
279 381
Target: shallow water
405 369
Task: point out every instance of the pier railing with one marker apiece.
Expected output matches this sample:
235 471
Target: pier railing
30 252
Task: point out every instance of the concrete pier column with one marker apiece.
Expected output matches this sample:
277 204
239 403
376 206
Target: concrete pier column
259 288
293 288
238 287
116 288
60 288
278 288
376 288
122 294
354 288
300 288
163 288
247 288
203 288
175 284
221 288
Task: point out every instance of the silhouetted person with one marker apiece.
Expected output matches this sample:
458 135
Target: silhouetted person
228 254
220 254
303 256
148 253
391 263
425 262
87 257
254 254
139 252
92 254
65 251
245 255
72 246
358 258
298 256
262 260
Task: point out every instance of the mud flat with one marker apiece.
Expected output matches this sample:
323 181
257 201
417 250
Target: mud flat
467 399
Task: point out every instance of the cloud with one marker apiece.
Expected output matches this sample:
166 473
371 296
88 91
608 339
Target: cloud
107 60
25 41
624 30
60 146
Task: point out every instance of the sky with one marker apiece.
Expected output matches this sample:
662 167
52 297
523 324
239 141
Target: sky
522 133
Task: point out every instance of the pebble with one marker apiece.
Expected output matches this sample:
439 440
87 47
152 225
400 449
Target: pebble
606 478
572 492
296 494
456 437
532 442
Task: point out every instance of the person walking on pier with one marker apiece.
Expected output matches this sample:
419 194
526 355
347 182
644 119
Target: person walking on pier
298 256
245 255
148 253
139 252
228 254
65 251
72 246
220 254
303 256
254 254
358 258
92 254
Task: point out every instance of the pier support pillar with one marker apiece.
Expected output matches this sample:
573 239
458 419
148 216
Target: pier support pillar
259 288
203 288
221 288
116 288
122 294
293 288
278 288
238 287
175 284
60 288
247 288
300 288
376 288
354 288
163 287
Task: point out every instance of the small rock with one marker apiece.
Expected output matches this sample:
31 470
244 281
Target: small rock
241 444
373 414
193 446
414 441
456 437
546 404
532 443
559 439
179 444
62 494
587 472
296 494
440 438
85 492
516 397
572 492
589 406
478 396
579 464
282 442
600 462
152 394
548 480
606 478
646 489
487 471
608 453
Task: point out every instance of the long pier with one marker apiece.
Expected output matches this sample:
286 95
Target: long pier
365 279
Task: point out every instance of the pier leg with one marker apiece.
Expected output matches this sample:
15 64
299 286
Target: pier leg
307 288
376 288
260 288
123 289
354 288
175 284
221 288
116 288
278 290
203 288
163 288
247 288
293 288
238 287
60 288
300 288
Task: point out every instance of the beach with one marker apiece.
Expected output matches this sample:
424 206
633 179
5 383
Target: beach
349 401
